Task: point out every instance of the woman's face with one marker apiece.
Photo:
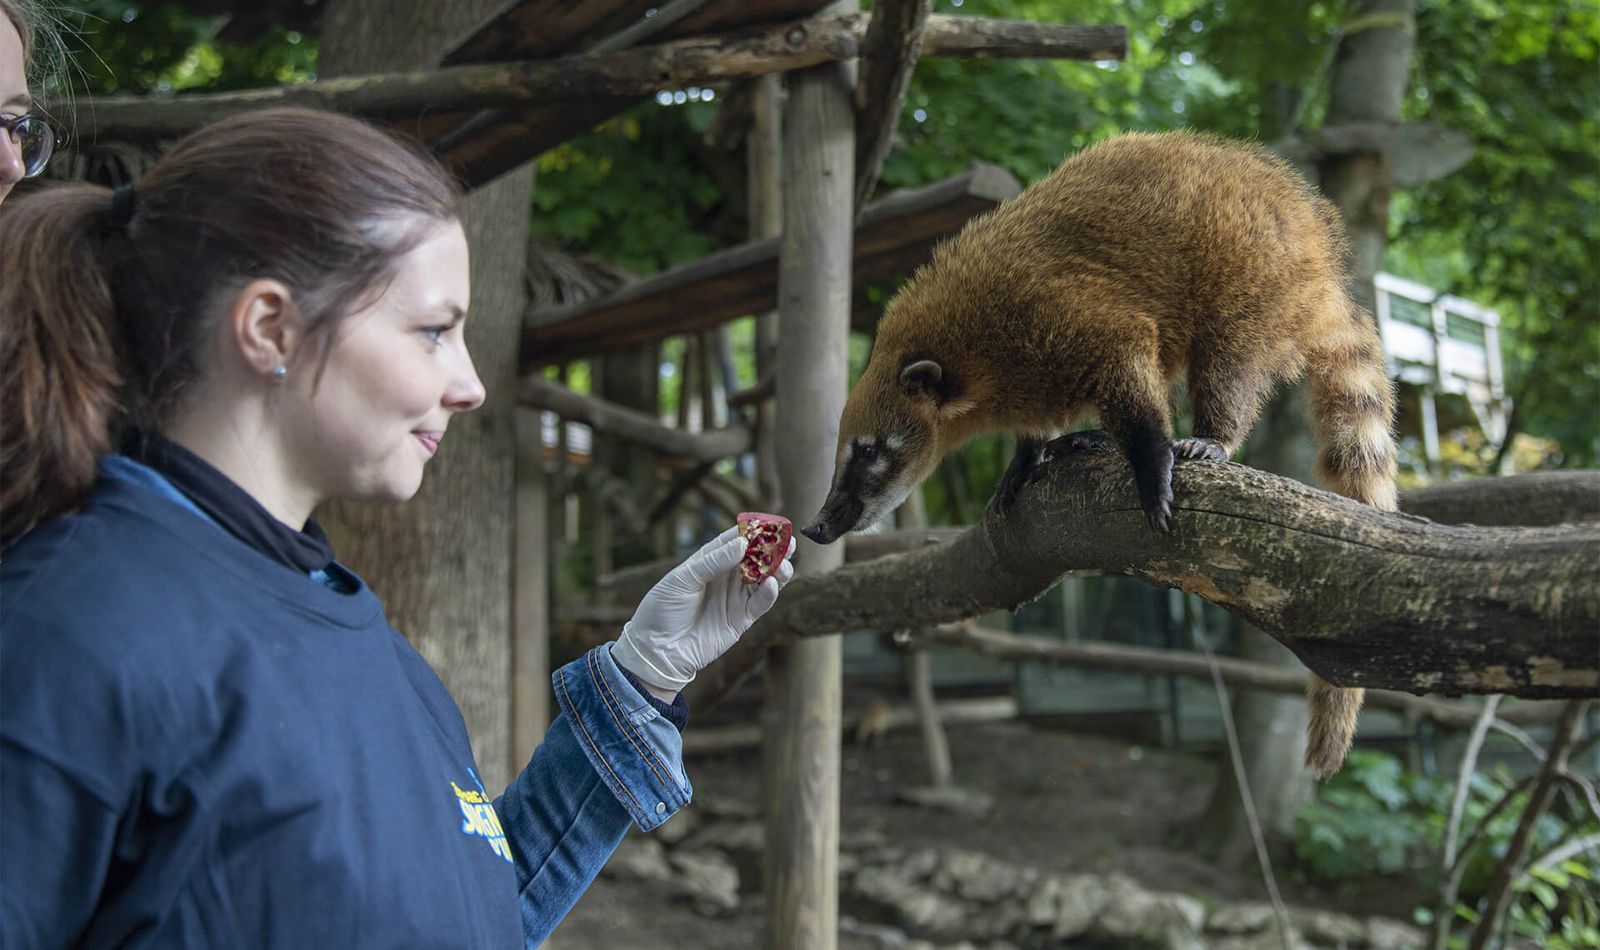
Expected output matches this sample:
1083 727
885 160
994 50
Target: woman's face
397 372
14 101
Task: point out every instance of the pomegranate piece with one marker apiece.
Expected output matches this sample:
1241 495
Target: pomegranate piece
768 537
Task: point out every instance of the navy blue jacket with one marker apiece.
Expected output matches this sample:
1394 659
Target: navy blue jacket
200 746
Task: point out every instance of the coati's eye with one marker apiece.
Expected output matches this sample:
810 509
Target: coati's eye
867 452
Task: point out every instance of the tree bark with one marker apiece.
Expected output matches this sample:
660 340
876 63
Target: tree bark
1363 597
442 561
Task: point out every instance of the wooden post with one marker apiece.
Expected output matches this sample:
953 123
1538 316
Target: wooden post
764 164
530 608
919 672
801 716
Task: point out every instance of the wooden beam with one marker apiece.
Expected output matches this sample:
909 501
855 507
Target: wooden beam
485 118
1247 674
888 57
893 236
490 145
538 29
641 428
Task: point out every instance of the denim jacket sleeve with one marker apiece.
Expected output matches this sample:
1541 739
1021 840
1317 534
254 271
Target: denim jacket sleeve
610 759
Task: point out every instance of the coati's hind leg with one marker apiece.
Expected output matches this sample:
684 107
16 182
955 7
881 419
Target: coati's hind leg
1226 395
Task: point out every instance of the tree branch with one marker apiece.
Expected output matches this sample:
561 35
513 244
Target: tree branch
1529 500
1363 597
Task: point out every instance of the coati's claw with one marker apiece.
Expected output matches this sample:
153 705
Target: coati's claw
1152 477
1200 450
1160 517
1087 440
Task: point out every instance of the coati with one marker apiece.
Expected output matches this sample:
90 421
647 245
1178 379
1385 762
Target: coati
1141 259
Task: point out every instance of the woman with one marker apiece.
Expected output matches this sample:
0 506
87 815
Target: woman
209 734
26 139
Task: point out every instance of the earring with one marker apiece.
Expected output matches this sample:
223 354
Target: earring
280 373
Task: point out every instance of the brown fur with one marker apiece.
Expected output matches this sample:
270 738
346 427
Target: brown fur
1142 260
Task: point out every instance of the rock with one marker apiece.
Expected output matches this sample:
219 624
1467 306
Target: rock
1040 908
708 878
679 826
740 835
1383 934
1266 940
1163 920
1241 919
1080 899
639 858
713 807
968 802
1327 927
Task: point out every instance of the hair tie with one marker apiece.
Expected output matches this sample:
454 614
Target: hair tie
123 206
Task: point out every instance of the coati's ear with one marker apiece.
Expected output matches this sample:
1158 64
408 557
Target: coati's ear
924 377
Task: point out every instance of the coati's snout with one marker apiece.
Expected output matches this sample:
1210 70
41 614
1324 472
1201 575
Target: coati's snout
840 515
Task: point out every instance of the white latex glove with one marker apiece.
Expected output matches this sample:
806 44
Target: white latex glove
694 614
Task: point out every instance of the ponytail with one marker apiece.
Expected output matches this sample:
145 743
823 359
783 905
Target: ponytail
60 376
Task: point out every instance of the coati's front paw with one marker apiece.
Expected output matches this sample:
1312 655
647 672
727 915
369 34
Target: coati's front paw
1197 449
1087 440
1152 476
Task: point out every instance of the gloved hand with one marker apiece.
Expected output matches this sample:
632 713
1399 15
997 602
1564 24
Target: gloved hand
694 614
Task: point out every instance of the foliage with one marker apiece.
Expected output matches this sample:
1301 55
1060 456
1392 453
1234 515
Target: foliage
637 191
1376 817
120 46
1518 227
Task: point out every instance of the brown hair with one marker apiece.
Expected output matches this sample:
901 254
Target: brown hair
106 306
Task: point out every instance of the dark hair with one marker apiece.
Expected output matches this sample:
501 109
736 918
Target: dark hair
105 313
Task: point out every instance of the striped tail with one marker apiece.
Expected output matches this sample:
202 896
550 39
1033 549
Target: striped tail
1352 408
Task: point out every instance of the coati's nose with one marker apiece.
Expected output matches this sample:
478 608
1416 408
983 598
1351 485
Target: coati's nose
817 532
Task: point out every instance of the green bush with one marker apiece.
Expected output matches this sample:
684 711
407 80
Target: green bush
1376 818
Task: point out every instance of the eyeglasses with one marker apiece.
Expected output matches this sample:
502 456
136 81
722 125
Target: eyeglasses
35 139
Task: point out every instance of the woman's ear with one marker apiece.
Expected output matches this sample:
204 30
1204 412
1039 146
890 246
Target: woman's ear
265 325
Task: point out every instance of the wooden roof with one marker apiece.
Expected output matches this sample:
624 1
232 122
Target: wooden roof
484 144
893 237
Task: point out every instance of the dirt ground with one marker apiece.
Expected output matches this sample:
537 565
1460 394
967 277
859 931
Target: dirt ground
1064 802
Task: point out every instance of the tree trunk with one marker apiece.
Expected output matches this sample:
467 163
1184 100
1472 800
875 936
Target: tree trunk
442 562
802 712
